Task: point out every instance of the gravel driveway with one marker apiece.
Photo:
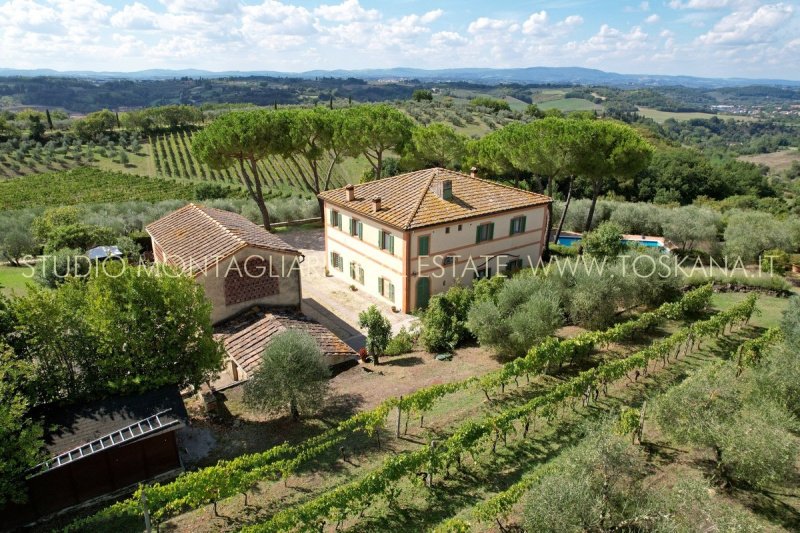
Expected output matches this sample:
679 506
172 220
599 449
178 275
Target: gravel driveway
329 300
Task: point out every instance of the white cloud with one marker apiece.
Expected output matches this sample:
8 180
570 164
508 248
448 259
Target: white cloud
536 23
748 27
28 15
347 11
652 19
488 25
135 16
431 16
699 4
447 39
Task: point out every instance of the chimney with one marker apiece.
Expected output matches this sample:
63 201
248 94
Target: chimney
350 192
376 204
473 172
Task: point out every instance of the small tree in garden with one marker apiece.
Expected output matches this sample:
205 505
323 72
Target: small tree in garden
292 375
605 241
379 331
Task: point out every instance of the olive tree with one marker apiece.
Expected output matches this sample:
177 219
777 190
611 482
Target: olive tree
292 375
689 225
750 233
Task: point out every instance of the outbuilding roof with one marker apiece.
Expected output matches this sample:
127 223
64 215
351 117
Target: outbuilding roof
246 335
73 428
410 201
196 237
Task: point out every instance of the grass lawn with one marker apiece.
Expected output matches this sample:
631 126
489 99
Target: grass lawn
13 280
569 104
771 308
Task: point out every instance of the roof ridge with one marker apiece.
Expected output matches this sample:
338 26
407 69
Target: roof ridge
410 219
222 226
492 182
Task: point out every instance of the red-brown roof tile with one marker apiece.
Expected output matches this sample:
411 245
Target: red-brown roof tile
196 237
245 336
408 201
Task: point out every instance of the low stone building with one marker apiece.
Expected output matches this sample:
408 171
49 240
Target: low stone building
237 262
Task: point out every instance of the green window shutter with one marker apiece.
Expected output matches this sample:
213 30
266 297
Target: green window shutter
332 219
391 244
361 275
380 239
490 235
391 291
424 245
380 286
340 221
511 226
524 221
360 230
352 270
478 235
333 259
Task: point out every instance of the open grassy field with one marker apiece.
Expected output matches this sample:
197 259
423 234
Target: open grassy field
569 104
661 116
776 161
13 279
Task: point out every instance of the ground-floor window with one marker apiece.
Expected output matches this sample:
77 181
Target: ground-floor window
386 288
356 272
337 262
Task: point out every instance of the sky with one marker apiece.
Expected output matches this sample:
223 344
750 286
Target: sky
715 38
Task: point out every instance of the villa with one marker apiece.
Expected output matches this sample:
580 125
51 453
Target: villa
407 237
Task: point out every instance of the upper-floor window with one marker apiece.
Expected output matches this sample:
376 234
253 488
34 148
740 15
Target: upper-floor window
356 228
485 232
517 225
336 219
386 241
424 245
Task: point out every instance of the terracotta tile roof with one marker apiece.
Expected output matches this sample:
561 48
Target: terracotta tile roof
408 201
194 237
246 335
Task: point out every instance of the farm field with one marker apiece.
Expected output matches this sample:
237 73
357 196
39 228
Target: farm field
661 116
569 104
87 185
776 161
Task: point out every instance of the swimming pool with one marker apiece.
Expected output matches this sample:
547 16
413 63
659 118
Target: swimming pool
569 240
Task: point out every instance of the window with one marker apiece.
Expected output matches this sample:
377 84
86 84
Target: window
483 272
356 272
485 232
356 228
336 218
386 288
514 266
352 270
448 259
337 262
517 225
459 227
386 241
447 229
424 245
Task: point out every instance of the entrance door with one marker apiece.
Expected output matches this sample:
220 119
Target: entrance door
423 292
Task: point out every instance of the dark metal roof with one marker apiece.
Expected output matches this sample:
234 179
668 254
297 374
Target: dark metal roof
68 428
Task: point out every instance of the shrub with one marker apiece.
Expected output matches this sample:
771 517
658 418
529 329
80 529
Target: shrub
750 233
401 343
775 261
605 241
379 331
444 321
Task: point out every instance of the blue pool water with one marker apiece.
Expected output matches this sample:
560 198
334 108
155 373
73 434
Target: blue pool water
569 240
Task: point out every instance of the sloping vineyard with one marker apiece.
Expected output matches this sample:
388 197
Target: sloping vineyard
172 157
238 476
351 499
